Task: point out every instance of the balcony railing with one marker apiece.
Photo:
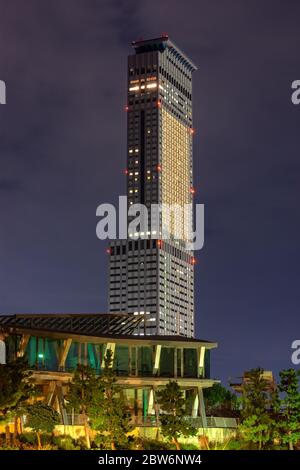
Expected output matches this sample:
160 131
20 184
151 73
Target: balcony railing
153 421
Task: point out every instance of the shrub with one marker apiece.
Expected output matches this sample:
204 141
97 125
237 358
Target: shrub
189 446
28 438
65 442
151 444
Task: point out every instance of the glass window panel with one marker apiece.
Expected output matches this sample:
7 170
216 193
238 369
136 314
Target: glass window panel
51 348
190 362
72 357
31 351
167 362
121 360
145 360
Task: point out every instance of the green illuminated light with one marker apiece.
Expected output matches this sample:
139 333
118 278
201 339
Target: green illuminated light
40 356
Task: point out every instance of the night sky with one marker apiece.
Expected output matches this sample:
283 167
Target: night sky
63 152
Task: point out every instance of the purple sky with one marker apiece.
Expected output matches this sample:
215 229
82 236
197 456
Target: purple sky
63 151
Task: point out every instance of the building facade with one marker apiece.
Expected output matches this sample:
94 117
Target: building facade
152 272
54 345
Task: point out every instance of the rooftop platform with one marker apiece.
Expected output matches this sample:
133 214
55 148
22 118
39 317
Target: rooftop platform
96 326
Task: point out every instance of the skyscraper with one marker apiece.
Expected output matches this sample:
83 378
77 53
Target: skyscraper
152 276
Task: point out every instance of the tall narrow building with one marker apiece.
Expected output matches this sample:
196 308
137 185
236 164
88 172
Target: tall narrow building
154 275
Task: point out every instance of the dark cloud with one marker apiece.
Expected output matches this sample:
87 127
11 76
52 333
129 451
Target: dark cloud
62 151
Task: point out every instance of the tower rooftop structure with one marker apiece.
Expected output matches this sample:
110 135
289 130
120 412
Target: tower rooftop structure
160 44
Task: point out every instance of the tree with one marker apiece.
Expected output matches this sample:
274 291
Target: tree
219 401
81 394
15 389
172 418
108 410
289 385
258 401
41 418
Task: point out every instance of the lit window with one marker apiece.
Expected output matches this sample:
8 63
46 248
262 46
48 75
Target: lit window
134 88
152 85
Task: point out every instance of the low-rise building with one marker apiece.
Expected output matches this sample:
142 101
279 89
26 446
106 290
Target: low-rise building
55 344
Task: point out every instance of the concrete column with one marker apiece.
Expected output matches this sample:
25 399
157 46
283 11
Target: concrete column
156 359
2 351
202 411
64 353
201 355
195 404
151 402
155 407
181 362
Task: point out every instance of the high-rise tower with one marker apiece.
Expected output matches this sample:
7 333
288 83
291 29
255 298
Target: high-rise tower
154 277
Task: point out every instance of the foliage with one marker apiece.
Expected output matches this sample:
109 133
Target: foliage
65 442
237 443
140 443
82 390
172 405
5 447
219 401
259 423
41 418
189 446
15 387
28 438
108 411
258 429
289 385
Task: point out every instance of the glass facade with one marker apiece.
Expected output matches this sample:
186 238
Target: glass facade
166 368
128 360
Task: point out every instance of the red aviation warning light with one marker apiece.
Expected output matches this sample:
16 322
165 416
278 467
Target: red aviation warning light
194 261
192 190
158 103
158 168
125 171
108 251
126 108
192 131
159 243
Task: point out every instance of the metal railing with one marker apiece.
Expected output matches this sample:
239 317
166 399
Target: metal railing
197 422
213 422
75 419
